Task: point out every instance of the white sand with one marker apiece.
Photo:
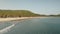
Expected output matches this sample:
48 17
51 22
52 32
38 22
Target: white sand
9 19
17 18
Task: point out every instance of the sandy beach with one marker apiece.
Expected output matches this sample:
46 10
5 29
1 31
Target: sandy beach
10 19
17 18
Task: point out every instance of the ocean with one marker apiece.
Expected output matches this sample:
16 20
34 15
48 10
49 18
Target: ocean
48 25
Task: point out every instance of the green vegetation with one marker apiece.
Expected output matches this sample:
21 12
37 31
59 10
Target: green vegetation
17 13
22 13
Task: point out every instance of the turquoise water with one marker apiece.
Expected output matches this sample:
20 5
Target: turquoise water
35 26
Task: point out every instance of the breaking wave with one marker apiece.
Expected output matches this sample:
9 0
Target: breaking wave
6 29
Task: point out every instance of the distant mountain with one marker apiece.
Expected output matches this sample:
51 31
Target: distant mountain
58 15
17 13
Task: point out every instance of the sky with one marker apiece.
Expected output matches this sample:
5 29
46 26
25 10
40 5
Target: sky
37 6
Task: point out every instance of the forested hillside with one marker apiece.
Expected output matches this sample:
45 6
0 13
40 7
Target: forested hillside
17 13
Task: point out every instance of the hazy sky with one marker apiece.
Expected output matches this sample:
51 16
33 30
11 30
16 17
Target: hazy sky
37 6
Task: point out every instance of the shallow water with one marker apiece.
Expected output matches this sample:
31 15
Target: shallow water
35 26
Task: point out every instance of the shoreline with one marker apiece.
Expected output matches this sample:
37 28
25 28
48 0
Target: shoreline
17 18
11 19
